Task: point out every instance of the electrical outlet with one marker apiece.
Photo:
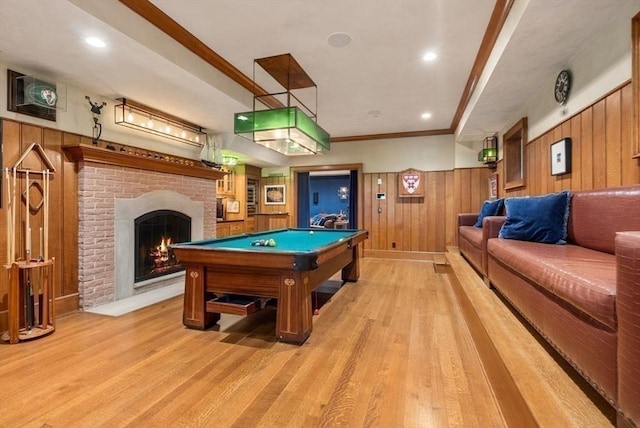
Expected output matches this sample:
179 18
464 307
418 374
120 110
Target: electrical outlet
379 210
379 181
393 245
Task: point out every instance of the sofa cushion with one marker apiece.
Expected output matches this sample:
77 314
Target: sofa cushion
583 278
489 208
596 216
537 218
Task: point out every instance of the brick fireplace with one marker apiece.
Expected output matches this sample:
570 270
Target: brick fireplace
111 197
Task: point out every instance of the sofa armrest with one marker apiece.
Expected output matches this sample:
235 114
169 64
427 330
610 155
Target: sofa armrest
627 246
491 226
467 219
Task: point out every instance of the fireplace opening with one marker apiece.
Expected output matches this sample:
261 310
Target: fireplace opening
154 232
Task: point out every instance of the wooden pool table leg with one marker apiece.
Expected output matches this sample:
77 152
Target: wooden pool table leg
351 272
194 314
294 317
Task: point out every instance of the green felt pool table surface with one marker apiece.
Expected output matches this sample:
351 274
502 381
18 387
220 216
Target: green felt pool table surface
293 240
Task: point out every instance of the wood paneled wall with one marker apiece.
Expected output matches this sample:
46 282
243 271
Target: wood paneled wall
409 225
601 150
63 214
426 224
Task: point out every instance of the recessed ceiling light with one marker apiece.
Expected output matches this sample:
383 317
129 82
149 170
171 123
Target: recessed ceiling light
339 40
430 56
95 42
426 115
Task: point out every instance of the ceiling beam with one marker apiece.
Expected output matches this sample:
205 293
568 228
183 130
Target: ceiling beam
165 23
496 22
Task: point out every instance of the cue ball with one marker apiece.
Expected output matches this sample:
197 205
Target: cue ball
311 232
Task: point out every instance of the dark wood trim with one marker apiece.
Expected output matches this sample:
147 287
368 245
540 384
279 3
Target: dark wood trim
514 142
392 135
162 21
635 78
84 152
498 18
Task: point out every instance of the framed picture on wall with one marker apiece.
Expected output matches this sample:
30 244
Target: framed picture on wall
561 157
274 194
233 206
493 186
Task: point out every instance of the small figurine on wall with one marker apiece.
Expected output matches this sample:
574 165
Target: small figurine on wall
96 109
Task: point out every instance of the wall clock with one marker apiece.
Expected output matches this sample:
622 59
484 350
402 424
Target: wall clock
562 87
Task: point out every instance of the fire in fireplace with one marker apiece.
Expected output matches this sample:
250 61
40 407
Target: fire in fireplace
154 232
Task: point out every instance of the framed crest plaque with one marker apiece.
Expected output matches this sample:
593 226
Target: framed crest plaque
411 183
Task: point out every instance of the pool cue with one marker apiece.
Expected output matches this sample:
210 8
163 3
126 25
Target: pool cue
28 297
47 181
13 215
9 226
27 227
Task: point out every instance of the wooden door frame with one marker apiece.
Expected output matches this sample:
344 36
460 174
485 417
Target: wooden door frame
294 171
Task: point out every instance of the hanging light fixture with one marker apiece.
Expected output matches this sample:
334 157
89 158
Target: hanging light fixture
138 116
489 153
287 127
229 160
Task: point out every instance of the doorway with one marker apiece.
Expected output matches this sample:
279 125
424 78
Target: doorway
347 195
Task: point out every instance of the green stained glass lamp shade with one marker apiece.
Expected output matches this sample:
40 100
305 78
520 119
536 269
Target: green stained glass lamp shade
286 130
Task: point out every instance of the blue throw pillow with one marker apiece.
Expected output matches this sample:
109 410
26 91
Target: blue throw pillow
489 208
537 218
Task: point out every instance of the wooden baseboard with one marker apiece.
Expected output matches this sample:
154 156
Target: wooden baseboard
67 304
402 255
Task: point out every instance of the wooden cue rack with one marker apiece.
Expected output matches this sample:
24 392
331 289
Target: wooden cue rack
31 299
30 288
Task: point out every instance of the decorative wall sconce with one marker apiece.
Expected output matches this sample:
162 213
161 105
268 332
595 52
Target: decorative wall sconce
489 153
147 119
343 192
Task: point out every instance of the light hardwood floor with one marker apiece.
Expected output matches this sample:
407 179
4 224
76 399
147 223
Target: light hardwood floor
392 350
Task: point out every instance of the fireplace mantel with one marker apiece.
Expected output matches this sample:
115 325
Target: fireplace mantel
143 159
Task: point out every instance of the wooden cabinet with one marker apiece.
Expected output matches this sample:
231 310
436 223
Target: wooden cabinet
226 185
229 228
250 225
270 221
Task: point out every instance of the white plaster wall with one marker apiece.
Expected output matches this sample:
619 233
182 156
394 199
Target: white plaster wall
434 153
77 118
603 64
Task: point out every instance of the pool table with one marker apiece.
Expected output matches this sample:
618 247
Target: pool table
301 260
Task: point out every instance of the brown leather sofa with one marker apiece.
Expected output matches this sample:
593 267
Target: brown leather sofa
582 297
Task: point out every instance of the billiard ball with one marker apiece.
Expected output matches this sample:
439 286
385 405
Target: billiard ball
311 232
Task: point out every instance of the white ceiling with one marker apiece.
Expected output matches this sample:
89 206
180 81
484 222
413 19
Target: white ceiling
376 84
